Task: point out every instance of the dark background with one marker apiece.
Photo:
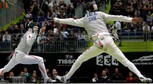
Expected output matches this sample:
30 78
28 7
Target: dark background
85 72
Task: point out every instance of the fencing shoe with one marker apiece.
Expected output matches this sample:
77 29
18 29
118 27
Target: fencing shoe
62 79
49 80
144 79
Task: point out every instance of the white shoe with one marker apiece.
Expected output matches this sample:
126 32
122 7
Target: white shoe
62 79
48 80
144 79
1 72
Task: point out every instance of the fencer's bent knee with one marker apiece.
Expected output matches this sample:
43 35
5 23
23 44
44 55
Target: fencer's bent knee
40 60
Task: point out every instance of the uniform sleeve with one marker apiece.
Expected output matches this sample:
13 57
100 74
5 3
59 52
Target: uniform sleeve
31 38
73 22
109 17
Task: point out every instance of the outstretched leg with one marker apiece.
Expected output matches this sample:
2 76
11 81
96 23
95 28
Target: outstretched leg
12 63
116 52
31 59
88 54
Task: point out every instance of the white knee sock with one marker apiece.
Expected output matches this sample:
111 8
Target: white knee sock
42 69
133 68
88 54
74 67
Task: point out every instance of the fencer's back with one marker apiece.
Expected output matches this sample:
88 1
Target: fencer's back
94 22
23 45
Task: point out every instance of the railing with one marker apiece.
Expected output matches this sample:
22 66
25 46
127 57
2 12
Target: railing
78 46
130 42
60 46
11 13
136 35
47 47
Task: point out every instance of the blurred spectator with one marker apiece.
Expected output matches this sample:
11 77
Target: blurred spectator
34 77
146 31
41 40
117 75
95 78
104 78
117 7
54 74
10 76
27 4
35 10
16 40
64 34
81 36
16 29
51 5
46 25
129 10
28 15
22 76
116 29
22 29
118 25
55 30
70 11
27 74
11 29
149 18
48 72
6 37
130 78
50 40
49 16
44 7
107 71
71 41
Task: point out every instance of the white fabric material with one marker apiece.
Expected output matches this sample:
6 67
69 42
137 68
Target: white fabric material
21 56
26 42
64 34
95 23
117 25
6 38
146 28
109 48
56 20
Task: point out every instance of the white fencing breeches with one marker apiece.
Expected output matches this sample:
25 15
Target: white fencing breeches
105 44
22 58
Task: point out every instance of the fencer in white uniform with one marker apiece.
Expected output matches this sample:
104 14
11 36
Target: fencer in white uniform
21 54
94 23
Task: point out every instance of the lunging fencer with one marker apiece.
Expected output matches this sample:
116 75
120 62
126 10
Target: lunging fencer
21 54
94 23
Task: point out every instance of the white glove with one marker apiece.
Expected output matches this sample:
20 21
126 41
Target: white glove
56 20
